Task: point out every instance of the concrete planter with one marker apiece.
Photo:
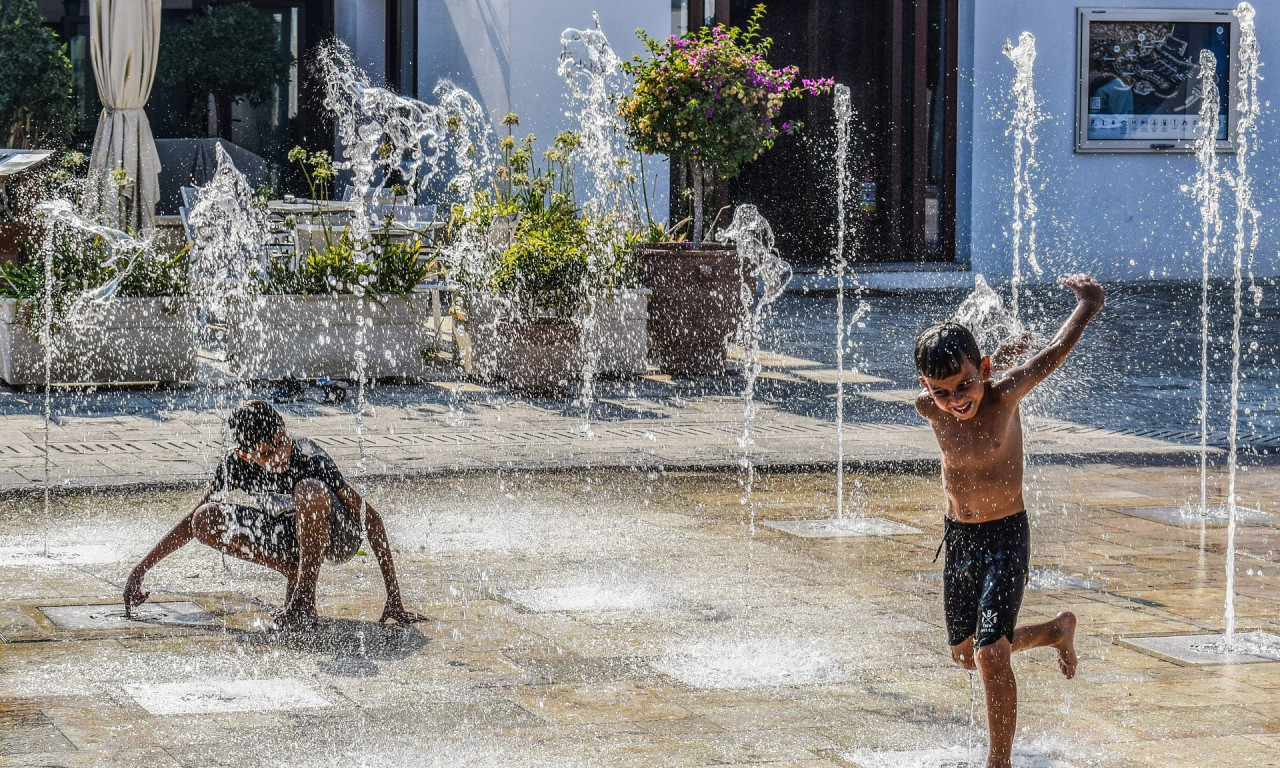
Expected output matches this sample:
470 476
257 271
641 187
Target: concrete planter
695 306
311 337
125 340
619 339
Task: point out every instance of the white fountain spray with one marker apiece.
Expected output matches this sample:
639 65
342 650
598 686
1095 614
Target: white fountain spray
123 251
844 115
757 261
386 136
1026 116
1246 239
228 260
593 75
1206 189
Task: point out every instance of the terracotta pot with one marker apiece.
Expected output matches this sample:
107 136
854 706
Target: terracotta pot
540 357
695 306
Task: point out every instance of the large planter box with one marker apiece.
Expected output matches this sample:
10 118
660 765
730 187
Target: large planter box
619 338
123 340
310 337
696 306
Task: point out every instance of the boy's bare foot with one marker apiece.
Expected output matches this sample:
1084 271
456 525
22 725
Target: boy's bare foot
1064 627
291 618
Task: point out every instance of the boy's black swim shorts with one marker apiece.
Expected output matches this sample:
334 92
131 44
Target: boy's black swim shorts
985 575
274 527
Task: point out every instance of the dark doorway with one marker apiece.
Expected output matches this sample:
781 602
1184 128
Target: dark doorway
898 58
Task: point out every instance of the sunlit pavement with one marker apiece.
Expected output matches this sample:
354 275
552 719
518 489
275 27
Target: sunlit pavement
631 618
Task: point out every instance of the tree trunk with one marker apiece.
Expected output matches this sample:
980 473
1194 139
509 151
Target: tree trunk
222 115
695 170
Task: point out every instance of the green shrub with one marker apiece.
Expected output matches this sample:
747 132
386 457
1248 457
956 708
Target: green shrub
36 110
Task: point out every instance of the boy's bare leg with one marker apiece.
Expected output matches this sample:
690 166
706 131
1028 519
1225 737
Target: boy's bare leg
1001 690
311 501
1059 632
209 527
962 654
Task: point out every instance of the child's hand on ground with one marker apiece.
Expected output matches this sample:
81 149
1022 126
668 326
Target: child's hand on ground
133 594
1087 290
396 612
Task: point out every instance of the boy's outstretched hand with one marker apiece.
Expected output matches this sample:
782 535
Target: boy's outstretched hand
133 594
1088 291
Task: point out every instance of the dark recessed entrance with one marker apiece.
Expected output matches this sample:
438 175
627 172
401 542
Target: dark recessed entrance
898 58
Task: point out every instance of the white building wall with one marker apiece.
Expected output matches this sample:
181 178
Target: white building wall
505 52
361 24
1118 216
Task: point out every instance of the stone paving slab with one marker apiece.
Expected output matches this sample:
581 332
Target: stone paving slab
132 437
615 618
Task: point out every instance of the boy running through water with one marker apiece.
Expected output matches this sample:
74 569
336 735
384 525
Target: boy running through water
306 513
977 424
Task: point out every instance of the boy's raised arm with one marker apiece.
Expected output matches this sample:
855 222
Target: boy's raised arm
1089 300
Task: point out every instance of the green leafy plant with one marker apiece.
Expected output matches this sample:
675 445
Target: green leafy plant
391 269
36 110
231 51
710 99
82 264
542 268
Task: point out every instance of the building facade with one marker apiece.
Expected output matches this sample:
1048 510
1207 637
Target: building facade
932 166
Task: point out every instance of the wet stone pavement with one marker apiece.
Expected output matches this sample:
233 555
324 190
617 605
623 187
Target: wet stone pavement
126 437
622 618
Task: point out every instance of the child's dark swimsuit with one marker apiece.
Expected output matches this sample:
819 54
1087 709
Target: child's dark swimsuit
273 523
985 575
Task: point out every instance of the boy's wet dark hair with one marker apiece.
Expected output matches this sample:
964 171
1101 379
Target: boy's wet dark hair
942 349
254 422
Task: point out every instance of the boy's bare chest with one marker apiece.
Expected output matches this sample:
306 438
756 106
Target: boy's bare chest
987 439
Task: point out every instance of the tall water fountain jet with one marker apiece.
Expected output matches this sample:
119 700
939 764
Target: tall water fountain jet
447 148
1026 116
228 260
1246 239
124 250
757 261
1207 191
593 75
844 115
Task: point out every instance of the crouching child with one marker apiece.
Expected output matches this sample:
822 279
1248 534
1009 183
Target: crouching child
305 513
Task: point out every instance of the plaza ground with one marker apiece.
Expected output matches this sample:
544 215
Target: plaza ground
621 618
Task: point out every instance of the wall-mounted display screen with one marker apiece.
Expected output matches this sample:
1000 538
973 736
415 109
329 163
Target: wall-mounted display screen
1139 85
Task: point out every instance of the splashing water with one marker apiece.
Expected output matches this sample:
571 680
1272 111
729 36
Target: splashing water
123 250
1206 190
1246 240
844 115
758 261
228 233
387 137
593 74
1026 116
445 148
984 313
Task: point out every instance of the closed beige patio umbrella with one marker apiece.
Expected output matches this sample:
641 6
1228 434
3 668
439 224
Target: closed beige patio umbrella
124 42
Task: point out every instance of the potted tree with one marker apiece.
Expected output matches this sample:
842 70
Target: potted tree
710 101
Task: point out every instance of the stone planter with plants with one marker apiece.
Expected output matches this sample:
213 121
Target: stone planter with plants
710 101
331 309
527 282
116 316
320 315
